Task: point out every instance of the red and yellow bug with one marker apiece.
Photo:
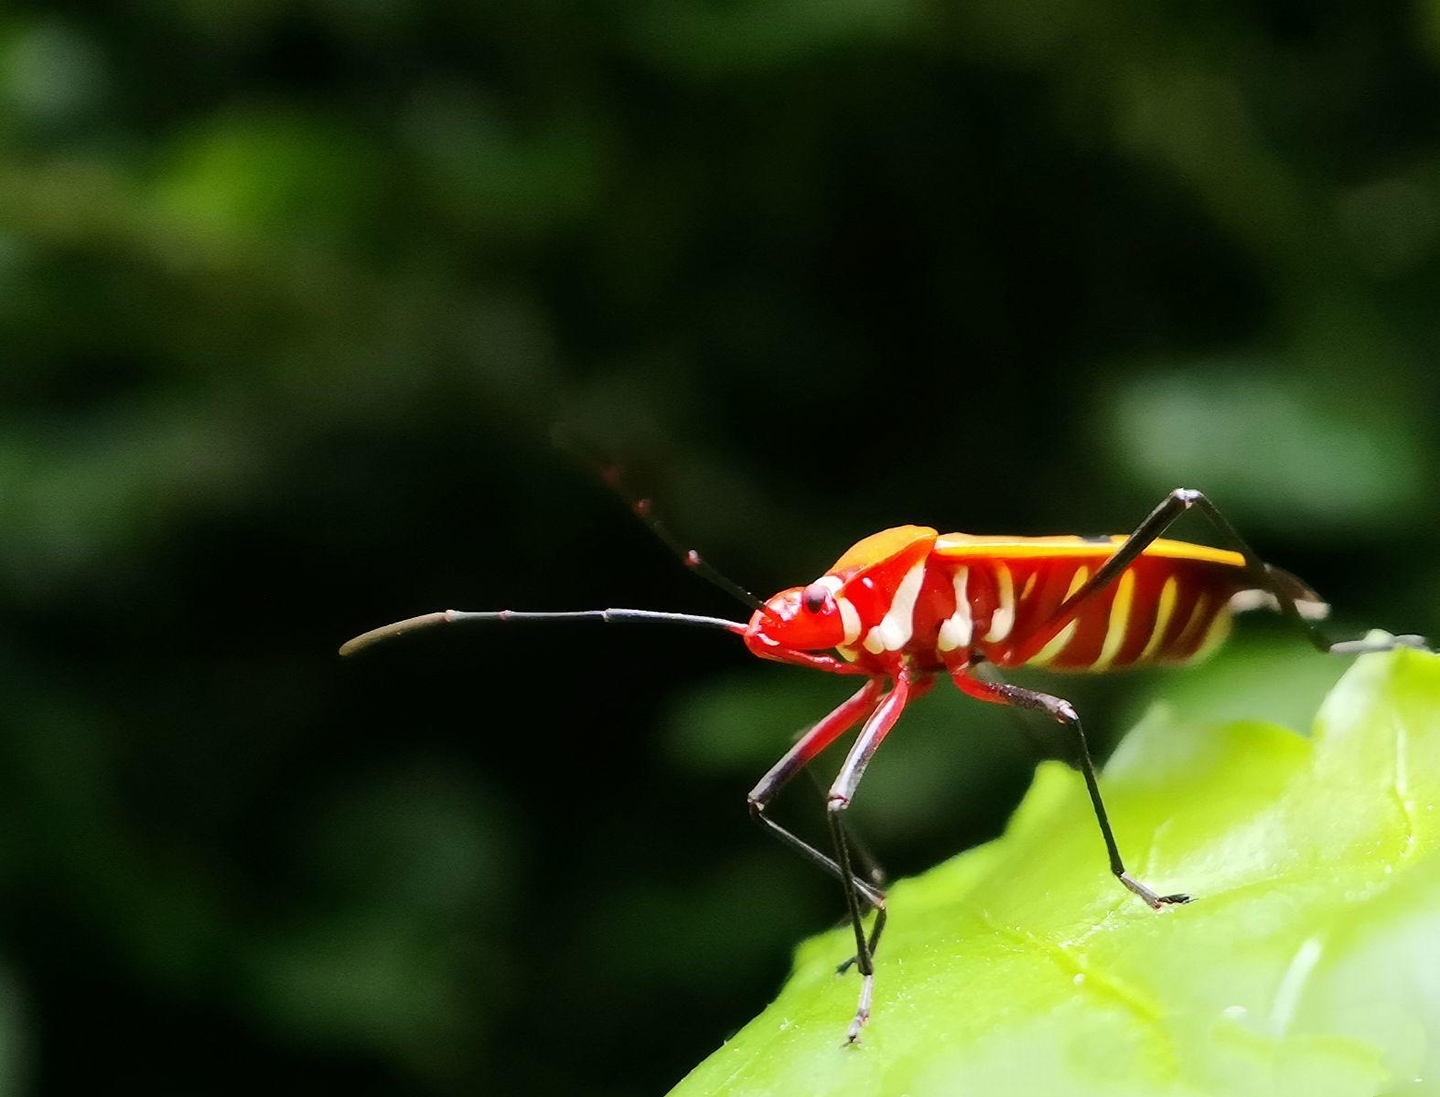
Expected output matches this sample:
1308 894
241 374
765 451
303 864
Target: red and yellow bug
907 605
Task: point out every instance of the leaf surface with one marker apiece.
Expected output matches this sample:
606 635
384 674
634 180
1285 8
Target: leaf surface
1309 963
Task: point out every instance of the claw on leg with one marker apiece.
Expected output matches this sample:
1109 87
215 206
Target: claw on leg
862 1012
1155 901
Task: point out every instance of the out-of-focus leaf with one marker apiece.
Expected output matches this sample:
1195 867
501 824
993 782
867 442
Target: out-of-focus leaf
264 172
1279 681
1326 466
51 75
1309 963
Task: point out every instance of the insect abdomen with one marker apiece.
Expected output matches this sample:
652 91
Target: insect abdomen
1158 611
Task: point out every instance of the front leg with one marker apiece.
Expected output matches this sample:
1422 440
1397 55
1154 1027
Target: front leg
842 792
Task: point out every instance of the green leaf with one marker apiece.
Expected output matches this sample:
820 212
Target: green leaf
1309 963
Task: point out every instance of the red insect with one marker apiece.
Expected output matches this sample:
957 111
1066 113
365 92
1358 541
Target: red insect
907 605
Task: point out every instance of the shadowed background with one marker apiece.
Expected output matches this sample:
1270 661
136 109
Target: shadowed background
291 299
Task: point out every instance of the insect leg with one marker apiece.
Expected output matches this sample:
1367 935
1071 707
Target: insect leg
841 793
800 755
1046 743
870 867
1059 709
1152 528
1288 603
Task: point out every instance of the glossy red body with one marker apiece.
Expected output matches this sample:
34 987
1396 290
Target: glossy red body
906 605
910 597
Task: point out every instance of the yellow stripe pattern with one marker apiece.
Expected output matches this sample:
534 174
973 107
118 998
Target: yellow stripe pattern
1168 594
1050 651
1119 620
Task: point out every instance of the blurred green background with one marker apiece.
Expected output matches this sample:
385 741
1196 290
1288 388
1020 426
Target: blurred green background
291 298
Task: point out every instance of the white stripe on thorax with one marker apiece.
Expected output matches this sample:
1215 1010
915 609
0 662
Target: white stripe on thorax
1003 619
894 631
849 615
955 632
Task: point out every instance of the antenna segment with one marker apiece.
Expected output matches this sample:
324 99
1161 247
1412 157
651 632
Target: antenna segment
614 477
604 616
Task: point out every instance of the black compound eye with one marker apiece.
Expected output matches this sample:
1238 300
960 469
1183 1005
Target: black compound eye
815 597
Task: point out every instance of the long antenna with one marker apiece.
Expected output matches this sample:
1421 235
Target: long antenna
605 616
614 477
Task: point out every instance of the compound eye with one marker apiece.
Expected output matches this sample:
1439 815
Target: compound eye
816 597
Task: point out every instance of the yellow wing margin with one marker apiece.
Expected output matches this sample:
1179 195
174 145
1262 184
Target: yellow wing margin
968 545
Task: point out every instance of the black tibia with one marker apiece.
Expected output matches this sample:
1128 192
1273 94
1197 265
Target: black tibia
1061 710
801 754
860 892
842 792
880 712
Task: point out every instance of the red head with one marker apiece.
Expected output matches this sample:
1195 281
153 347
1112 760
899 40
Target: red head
800 619
838 608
